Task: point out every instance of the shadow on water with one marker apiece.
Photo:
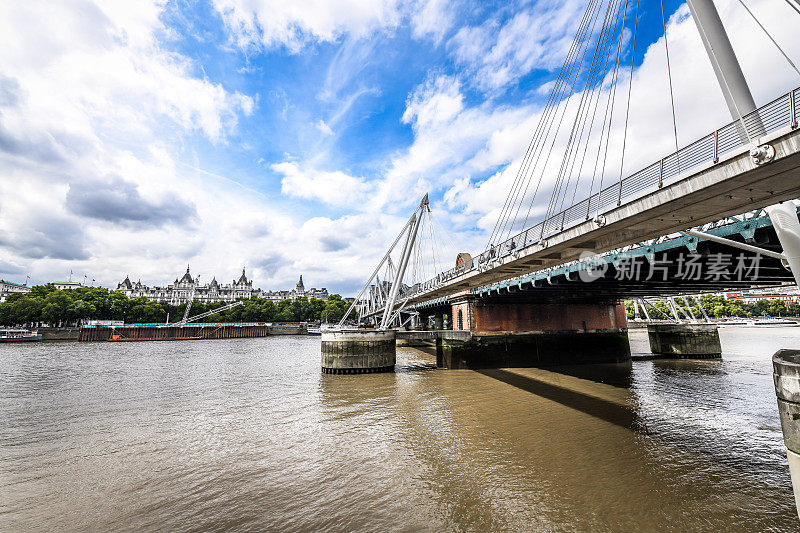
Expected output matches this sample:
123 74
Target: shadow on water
668 428
614 374
415 359
654 406
614 413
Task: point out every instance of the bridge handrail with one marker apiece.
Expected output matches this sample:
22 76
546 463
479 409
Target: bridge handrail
779 113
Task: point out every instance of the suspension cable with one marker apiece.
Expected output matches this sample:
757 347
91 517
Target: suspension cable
595 83
559 91
628 109
606 54
550 150
770 37
543 120
612 98
559 183
573 144
669 77
620 15
793 6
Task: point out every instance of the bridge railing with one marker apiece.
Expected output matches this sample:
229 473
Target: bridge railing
777 114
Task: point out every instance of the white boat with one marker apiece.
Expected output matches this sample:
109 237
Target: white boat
330 327
732 323
314 330
18 335
774 322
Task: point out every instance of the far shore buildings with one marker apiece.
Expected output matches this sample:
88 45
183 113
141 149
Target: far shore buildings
788 294
187 287
6 288
67 285
299 290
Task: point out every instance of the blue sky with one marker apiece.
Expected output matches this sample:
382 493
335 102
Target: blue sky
341 103
296 137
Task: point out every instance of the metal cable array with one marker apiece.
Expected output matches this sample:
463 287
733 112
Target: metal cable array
542 148
404 270
579 112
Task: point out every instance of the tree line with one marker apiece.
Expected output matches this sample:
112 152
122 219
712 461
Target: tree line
719 307
44 304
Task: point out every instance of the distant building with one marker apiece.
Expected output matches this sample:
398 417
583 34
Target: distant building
299 290
787 294
6 288
67 285
187 287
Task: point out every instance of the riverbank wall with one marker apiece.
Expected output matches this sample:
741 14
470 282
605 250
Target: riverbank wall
188 332
59 334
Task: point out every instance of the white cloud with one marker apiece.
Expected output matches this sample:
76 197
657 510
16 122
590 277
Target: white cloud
435 102
88 99
333 188
451 141
323 127
88 95
271 23
83 66
498 54
432 19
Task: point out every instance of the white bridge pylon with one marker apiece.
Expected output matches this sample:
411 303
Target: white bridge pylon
385 295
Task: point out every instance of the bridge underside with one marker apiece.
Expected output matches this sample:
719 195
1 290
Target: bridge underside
677 266
727 188
711 267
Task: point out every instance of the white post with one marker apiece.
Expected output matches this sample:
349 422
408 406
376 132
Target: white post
702 309
786 363
375 272
786 375
784 220
689 308
674 310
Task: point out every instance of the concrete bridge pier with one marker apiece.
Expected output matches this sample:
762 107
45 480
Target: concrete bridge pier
685 341
358 351
517 334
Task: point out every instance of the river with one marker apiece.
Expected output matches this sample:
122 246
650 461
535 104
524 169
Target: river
248 434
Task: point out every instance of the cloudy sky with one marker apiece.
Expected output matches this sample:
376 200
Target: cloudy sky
295 137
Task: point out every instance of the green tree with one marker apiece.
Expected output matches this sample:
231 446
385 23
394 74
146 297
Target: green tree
57 309
46 304
335 308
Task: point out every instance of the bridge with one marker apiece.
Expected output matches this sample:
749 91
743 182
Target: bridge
715 214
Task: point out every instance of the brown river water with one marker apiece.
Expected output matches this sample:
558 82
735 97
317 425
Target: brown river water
248 434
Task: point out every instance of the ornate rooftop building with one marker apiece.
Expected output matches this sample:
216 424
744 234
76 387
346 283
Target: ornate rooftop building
187 287
299 290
